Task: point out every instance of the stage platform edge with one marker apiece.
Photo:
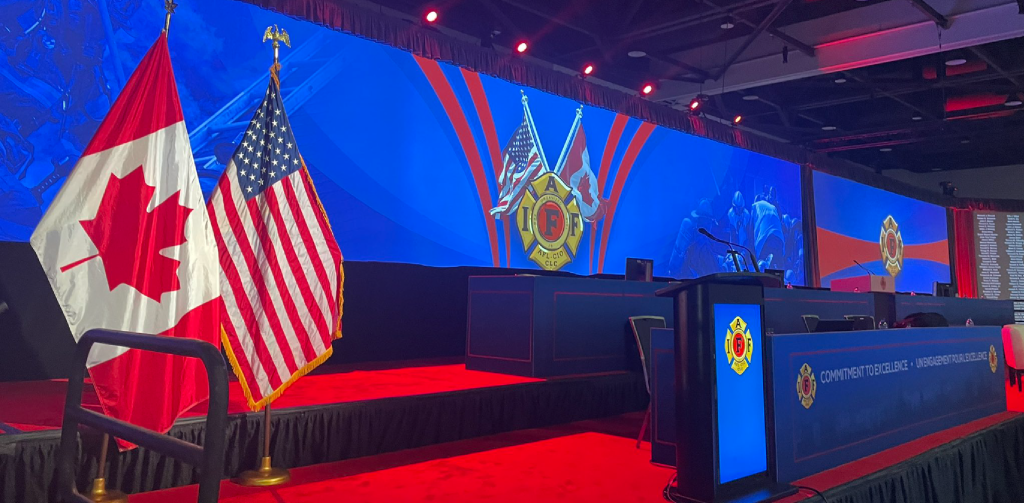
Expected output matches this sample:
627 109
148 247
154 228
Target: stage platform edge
319 434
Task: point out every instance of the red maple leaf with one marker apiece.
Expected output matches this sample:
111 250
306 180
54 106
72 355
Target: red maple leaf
130 239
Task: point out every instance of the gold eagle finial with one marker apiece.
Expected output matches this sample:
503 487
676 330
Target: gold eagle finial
276 35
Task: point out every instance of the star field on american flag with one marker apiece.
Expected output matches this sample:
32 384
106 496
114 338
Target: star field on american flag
268 152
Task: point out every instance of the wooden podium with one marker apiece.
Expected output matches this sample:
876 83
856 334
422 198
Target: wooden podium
724 421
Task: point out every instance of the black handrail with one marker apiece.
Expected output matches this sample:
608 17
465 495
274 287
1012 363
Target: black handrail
209 458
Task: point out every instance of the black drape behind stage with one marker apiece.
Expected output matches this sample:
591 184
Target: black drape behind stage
392 312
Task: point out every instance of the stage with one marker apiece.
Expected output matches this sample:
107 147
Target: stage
598 461
338 414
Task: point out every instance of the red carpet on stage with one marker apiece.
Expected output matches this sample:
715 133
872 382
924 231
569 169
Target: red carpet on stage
582 462
39 405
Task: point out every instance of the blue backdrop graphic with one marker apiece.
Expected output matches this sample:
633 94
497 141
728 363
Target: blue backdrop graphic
849 219
397 172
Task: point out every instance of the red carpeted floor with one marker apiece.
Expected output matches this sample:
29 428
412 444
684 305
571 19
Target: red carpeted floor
39 405
583 462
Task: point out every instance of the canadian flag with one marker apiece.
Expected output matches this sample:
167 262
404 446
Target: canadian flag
127 245
577 174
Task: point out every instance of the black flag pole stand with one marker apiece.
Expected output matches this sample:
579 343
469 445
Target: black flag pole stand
99 492
266 475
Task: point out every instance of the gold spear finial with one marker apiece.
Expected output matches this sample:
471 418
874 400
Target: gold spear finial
169 6
276 36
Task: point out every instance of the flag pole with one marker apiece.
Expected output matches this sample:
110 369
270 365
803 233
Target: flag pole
267 475
99 492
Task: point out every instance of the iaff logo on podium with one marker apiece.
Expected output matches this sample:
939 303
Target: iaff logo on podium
550 222
738 345
806 386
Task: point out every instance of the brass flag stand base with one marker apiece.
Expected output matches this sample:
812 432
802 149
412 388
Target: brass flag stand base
266 475
99 492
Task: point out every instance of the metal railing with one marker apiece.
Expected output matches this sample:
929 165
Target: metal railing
209 457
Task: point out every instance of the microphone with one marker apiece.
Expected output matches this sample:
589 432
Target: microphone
865 268
753 259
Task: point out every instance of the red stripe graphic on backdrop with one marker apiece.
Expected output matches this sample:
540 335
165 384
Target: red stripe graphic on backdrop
837 251
635 145
610 146
483 112
432 70
131 117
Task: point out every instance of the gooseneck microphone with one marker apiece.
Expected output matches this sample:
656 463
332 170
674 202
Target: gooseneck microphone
753 259
865 268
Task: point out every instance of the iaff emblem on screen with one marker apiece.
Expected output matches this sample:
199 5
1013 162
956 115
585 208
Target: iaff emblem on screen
550 222
738 345
806 386
891 242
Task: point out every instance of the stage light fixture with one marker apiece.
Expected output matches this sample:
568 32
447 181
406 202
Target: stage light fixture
1013 100
521 48
695 105
431 16
588 69
647 89
738 119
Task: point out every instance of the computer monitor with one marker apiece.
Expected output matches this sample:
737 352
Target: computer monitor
834 326
639 269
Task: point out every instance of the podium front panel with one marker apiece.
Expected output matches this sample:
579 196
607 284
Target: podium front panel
740 391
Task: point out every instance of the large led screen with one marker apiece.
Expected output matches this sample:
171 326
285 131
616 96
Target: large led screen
887 233
416 161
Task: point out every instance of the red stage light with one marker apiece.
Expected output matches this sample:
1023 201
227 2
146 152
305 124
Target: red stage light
694 104
521 48
738 119
431 16
647 89
587 70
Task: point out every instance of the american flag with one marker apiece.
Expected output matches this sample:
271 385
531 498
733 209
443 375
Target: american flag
522 164
281 276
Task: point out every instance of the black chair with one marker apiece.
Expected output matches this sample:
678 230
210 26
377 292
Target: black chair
862 321
641 327
810 321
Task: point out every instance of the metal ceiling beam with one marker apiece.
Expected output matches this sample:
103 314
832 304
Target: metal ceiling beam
764 25
929 11
983 54
976 27
800 46
702 75
554 19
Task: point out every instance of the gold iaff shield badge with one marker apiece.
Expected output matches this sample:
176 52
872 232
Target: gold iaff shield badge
738 345
806 386
550 223
993 359
891 243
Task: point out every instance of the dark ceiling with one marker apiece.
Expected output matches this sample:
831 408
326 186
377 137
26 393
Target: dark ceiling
924 114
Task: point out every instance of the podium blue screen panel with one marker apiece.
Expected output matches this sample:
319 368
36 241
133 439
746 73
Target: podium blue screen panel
739 369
